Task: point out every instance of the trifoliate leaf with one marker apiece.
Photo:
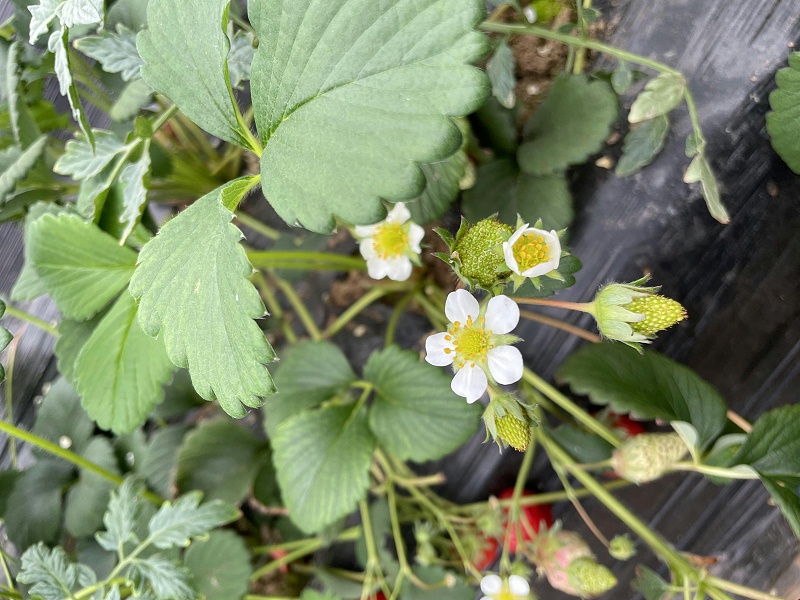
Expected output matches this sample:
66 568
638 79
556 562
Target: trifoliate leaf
500 69
116 52
161 459
134 181
649 385
165 579
121 520
50 575
134 96
185 51
773 445
193 290
61 420
72 335
81 267
80 161
220 566
16 164
349 94
309 374
176 524
88 498
34 506
660 96
220 458
572 123
700 171
783 123
120 371
240 58
322 458
502 188
642 145
57 44
415 414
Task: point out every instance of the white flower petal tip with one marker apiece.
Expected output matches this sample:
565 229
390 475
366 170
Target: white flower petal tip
502 315
460 306
439 351
470 381
518 586
505 364
399 214
532 252
491 584
389 246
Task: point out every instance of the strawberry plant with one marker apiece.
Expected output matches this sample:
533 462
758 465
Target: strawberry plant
228 405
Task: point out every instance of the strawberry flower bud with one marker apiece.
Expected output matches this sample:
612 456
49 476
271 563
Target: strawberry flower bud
647 457
513 588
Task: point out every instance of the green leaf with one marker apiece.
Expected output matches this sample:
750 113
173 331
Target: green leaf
783 491
88 498
72 336
80 161
57 44
649 385
571 124
349 94
120 371
500 69
134 181
185 51
5 339
650 584
121 520
583 446
16 164
80 12
161 459
130 13
28 285
8 480
240 58
42 14
34 506
309 374
81 267
622 78
496 127
415 414
193 290
61 420
220 458
134 96
660 96
700 171
23 125
165 579
323 458
436 577
116 52
50 575
772 447
642 145
176 524
783 123
501 188
220 565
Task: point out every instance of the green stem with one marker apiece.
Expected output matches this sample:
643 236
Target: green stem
742 590
9 389
348 535
579 42
299 259
580 306
257 226
29 318
165 116
514 511
580 56
71 457
299 308
359 305
391 327
569 406
310 548
373 561
562 325
88 591
713 471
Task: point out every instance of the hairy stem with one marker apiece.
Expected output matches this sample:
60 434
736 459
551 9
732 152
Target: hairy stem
20 314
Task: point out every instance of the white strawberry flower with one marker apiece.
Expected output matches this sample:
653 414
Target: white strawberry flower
391 246
532 252
477 344
513 588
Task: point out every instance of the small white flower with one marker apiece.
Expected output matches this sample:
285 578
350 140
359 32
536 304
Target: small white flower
514 588
531 252
390 247
477 344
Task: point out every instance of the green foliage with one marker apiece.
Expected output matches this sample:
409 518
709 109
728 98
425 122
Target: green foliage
415 415
784 492
88 498
82 161
80 266
28 285
5 339
72 335
326 89
165 578
50 575
161 458
772 447
240 58
116 52
500 69
650 584
309 374
567 267
783 123
120 371
502 188
58 44
648 385
642 145
571 124
700 171
176 524
221 459
322 458
122 517
185 52
193 291
60 418
220 566
583 446
134 180
660 95
15 164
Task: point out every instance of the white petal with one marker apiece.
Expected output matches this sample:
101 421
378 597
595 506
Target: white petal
434 350
518 234
367 249
399 214
460 305
505 364
491 584
365 231
502 315
518 586
470 382
415 235
508 255
398 268
376 268
554 252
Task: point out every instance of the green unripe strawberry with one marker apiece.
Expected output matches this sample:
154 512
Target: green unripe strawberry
648 456
659 312
513 431
479 252
621 547
589 579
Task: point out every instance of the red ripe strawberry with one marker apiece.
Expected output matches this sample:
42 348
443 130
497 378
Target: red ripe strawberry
487 554
535 515
630 427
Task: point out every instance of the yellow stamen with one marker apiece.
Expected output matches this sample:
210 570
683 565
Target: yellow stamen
530 250
390 240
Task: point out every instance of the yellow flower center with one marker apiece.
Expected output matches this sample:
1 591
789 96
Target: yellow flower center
530 250
472 341
390 240
505 595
